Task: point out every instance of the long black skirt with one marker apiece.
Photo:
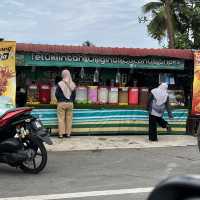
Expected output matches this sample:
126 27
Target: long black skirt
153 121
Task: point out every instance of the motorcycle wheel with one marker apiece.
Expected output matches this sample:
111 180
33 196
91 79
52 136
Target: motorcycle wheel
38 159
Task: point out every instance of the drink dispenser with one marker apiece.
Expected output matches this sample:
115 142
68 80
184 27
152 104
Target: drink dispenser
33 93
133 94
45 93
92 94
103 95
144 95
81 94
113 95
123 96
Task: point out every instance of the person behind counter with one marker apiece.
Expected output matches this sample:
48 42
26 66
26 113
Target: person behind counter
63 95
157 104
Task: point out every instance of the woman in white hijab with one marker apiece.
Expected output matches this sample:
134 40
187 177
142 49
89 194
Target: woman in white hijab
157 104
63 94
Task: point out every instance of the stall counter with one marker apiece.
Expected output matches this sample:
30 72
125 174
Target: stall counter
112 121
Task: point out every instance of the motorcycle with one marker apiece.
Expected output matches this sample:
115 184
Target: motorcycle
21 140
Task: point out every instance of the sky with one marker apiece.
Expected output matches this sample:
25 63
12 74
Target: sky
107 23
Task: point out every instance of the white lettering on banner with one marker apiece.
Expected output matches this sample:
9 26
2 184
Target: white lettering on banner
47 57
104 59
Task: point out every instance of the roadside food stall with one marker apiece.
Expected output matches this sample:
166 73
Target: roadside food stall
112 84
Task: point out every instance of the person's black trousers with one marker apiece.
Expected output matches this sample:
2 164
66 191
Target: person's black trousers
153 121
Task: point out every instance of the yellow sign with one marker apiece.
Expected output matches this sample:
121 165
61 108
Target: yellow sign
7 69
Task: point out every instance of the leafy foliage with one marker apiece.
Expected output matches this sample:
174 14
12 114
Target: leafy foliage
185 18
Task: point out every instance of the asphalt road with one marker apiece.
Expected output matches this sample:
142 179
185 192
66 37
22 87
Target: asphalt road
87 171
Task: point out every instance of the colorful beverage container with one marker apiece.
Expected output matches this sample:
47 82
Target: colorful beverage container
45 93
81 95
143 96
123 96
113 95
92 94
133 94
103 95
33 94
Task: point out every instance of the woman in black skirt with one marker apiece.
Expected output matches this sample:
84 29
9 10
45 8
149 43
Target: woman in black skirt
157 104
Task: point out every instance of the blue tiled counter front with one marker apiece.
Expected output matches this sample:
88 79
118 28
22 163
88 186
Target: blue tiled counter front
112 120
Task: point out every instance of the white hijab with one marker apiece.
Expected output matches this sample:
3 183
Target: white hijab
160 93
67 85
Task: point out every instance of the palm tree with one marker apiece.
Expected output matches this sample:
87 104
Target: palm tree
163 20
169 23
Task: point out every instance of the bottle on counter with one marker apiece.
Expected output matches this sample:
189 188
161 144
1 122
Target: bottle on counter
118 78
82 73
96 77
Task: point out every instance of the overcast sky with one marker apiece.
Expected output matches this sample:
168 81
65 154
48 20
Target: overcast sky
110 23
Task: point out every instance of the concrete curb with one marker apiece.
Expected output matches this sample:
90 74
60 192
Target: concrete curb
80 143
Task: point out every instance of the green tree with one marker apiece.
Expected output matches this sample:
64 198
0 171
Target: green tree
179 20
163 20
188 15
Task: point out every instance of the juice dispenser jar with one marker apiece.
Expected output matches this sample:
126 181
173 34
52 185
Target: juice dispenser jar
103 95
33 93
123 96
81 94
113 95
143 96
133 95
92 94
45 93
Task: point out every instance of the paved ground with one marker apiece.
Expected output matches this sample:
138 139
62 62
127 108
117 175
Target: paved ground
70 173
116 167
118 142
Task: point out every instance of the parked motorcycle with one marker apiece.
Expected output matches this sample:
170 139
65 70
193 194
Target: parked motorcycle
21 140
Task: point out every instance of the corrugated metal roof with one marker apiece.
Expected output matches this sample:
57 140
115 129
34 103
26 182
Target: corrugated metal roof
135 52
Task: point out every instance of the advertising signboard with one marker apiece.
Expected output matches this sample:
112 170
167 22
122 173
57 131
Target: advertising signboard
196 85
7 69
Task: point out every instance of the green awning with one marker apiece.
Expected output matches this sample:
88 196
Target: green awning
98 61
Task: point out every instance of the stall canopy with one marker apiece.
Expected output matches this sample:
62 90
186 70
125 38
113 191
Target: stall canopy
103 57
